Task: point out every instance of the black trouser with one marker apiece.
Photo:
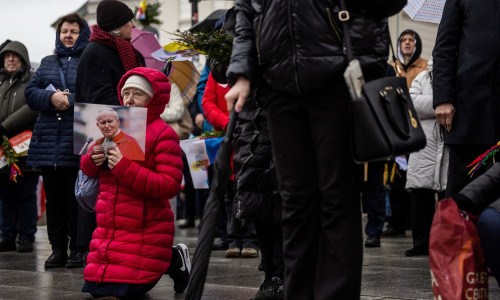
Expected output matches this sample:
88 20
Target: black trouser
87 223
423 205
400 202
373 193
322 234
61 207
460 157
271 247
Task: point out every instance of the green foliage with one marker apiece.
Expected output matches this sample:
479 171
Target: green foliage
217 45
211 134
152 12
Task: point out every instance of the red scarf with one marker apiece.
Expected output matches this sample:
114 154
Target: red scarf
126 51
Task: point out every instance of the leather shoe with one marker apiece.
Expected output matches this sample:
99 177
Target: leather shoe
220 245
6 245
416 252
25 246
372 241
393 232
56 259
188 223
75 259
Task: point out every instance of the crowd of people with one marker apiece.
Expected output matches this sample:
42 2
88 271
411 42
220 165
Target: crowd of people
296 196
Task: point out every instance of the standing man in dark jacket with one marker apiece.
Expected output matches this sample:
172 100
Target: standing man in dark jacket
51 147
18 200
467 83
296 51
108 55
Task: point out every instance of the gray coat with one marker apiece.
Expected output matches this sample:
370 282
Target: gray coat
427 168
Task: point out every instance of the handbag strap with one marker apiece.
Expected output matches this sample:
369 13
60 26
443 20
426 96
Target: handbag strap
61 74
344 17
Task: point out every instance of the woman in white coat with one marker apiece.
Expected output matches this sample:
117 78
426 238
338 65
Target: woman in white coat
427 168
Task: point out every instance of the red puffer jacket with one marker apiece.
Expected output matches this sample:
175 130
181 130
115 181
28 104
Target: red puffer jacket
135 224
214 104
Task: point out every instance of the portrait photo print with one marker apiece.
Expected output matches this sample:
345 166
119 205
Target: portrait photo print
111 127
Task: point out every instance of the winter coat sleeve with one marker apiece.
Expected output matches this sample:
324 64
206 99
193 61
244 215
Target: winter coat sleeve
174 110
213 113
98 90
422 100
244 54
445 53
481 192
164 180
37 97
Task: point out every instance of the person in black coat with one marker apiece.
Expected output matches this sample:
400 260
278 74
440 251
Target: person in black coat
104 61
467 83
482 196
51 92
294 49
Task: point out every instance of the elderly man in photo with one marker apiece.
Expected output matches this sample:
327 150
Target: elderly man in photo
108 123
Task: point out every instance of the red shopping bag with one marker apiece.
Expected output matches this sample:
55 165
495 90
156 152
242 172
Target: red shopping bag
458 268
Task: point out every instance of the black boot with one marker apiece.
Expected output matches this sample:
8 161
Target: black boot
75 259
56 259
6 245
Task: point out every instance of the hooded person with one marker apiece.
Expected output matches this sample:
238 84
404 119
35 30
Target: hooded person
17 193
131 247
51 92
409 63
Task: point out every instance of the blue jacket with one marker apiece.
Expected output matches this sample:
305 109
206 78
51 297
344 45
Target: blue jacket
52 141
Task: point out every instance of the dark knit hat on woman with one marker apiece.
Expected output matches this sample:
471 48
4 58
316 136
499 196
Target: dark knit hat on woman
112 14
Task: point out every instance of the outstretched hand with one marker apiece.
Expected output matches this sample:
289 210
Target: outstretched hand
239 94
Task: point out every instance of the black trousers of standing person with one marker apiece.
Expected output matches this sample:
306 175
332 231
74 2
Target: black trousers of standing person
271 248
61 206
322 234
400 201
460 157
87 223
423 205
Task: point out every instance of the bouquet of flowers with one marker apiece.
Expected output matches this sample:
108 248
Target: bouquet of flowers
10 159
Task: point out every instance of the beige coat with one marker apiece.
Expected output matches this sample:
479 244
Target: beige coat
416 68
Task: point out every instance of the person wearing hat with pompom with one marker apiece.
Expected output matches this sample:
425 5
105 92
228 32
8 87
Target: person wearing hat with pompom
108 55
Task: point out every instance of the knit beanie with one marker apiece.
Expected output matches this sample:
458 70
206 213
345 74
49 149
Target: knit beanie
138 82
112 14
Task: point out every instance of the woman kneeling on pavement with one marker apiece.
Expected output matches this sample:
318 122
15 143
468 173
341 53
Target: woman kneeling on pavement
131 247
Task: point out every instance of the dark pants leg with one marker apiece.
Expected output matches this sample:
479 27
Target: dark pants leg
423 205
400 202
460 157
374 194
189 211
61 207
322 234
19 212
271 247
488 228
87 223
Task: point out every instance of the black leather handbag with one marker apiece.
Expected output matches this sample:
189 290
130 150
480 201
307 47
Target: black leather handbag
384 123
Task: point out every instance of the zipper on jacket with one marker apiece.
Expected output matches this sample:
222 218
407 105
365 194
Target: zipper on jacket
294 54
13 102
257 40
333 24
69 58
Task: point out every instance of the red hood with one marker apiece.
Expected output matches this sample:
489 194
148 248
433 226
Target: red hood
161 90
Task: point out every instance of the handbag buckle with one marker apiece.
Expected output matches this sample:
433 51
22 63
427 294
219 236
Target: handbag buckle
344 15
382 93
399 90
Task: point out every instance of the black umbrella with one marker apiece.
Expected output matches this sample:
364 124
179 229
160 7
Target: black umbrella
221 173
209 22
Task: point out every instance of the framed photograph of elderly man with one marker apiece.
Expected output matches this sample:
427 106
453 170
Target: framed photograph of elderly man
110 127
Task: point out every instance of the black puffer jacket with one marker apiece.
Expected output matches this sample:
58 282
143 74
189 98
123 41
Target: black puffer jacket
482 192
296 48
256 186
